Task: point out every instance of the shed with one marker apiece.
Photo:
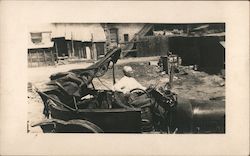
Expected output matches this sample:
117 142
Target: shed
74 39
40 49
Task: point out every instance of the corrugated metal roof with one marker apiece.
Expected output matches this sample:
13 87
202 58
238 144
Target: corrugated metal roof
79 31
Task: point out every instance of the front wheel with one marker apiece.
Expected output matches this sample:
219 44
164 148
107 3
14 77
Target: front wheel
71 126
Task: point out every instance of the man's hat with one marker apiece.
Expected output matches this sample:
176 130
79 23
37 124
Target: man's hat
127 69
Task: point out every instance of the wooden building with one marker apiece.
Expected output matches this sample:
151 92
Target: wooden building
79 40
40 49
50 43
125 35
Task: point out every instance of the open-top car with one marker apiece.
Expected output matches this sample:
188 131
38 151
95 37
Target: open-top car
73 104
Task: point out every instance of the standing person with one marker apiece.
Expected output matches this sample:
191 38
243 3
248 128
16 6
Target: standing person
127 82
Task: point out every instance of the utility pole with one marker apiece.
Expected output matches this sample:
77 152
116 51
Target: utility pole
171 76
173 63
56 52
93 48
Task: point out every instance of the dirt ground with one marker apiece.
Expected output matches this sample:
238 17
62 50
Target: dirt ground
187 83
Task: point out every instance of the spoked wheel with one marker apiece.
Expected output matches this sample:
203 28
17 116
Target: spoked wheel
79 126
71 126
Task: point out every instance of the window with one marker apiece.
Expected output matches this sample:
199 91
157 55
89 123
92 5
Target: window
126 38
36 37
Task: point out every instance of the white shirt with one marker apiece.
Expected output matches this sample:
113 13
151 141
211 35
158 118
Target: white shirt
126 84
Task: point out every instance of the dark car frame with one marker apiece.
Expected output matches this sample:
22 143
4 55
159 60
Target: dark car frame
151 111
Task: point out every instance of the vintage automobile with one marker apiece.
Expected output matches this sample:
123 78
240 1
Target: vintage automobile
73 105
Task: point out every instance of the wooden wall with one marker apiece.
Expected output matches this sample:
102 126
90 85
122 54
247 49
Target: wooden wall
40 57
152 46
100 48
206 52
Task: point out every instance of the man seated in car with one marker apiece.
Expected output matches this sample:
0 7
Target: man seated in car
127 82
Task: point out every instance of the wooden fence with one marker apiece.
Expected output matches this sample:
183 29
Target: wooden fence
206 52
152 46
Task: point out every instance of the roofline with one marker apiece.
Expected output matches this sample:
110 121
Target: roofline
41 32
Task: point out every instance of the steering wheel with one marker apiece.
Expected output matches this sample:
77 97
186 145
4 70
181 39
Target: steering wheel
132 98
140 90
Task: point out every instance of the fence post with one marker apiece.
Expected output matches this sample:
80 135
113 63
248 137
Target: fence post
44 55
57 50
52 57
72 45
37 57
30 56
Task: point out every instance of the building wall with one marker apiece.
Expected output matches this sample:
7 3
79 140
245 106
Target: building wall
40 49
81 35
40 57
46 37
84 32
124 28
130 29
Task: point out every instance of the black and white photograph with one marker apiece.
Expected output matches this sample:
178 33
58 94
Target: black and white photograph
117 78
126 78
